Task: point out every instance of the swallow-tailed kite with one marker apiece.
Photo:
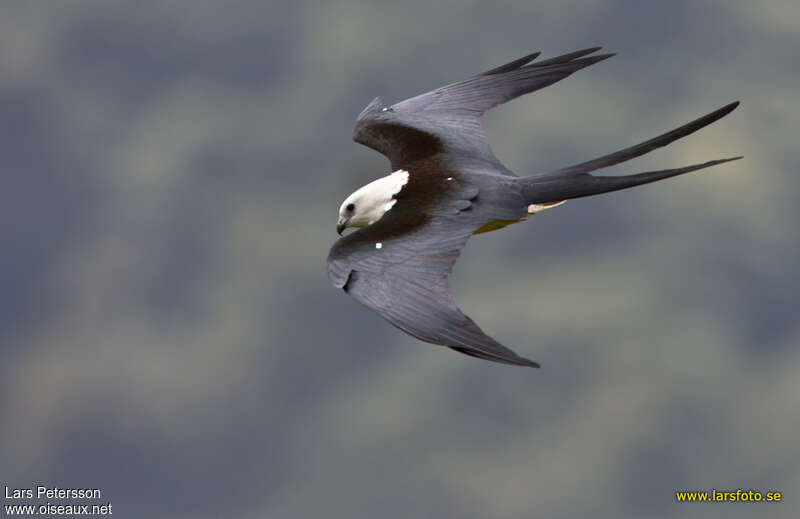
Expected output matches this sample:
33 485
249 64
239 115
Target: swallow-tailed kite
446 186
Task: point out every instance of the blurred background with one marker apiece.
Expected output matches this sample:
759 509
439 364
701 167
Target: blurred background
171 174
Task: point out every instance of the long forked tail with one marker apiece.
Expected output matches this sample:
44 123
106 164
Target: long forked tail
575 181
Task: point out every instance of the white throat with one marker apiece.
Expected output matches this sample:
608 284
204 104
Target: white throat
371 202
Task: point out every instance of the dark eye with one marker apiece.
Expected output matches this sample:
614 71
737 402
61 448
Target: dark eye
350 208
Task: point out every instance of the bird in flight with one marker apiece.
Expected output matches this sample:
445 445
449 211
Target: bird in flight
448 185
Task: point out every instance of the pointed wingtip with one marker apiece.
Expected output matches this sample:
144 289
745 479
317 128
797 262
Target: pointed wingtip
728 108
513 65
731 159
580 53
519 361
583 52
564 58
528 61
601 57
525 362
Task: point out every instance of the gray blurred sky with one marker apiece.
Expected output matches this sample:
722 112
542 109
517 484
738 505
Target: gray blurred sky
170 179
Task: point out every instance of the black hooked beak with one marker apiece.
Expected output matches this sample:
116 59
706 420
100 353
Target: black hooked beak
341 224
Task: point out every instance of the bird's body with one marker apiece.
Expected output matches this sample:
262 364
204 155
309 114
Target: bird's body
446 186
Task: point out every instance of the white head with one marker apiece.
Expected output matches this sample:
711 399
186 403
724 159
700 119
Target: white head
369 203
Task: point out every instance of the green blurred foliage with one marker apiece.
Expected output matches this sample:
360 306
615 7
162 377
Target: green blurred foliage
171 174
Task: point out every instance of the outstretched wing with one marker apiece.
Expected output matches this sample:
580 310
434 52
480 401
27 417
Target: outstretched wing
399 267
447 119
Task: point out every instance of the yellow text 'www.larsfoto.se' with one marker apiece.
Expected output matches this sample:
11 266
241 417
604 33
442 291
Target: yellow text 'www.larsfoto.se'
729 496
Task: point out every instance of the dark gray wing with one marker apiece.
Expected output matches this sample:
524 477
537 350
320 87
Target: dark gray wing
446 120
399 267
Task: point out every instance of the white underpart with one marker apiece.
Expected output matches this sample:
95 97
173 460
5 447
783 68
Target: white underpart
378 245
537 208
373 200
